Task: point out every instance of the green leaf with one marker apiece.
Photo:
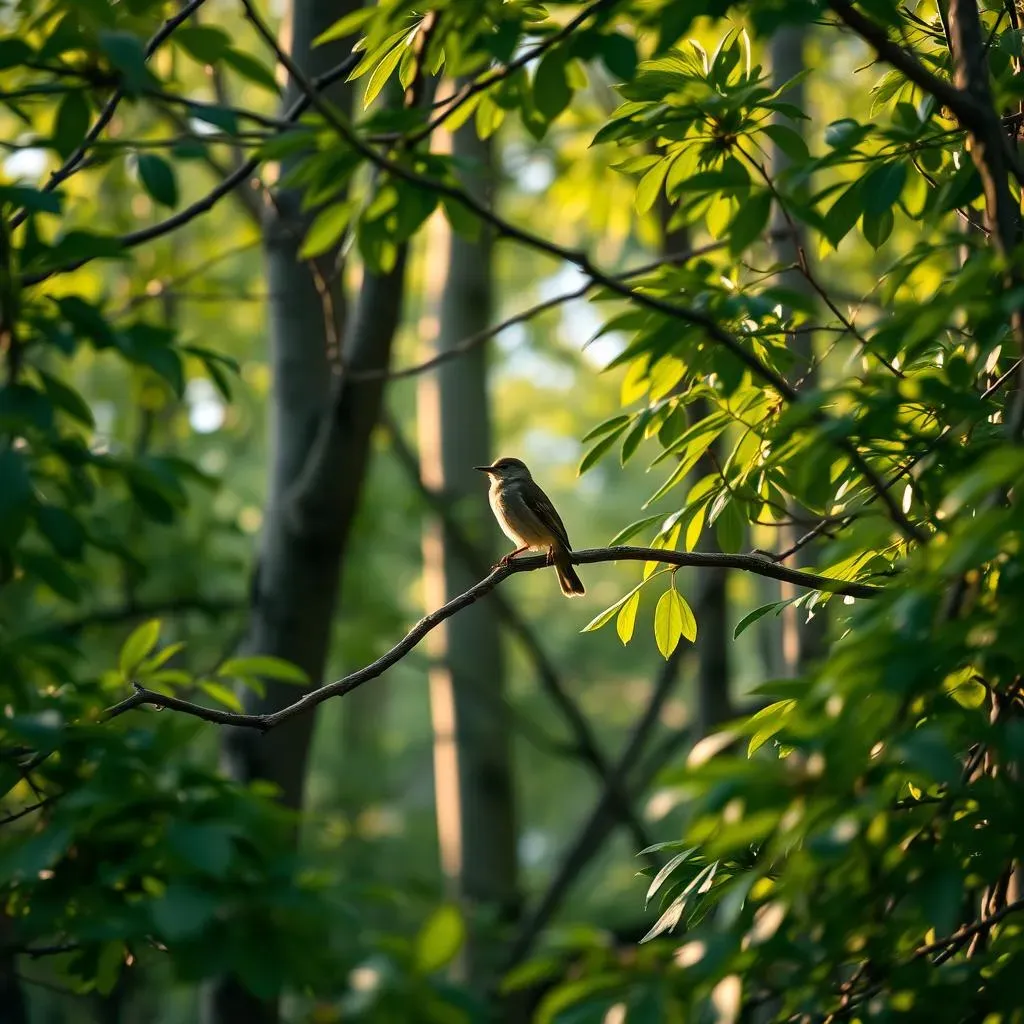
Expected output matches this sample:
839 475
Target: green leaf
619 55
666 869
616 424
843 214
877 227
125 53
596 452
626 619
66 398
158 179
603 618
751 617
551 90
650 186
439 940
346 25
252 69
729 527
767 722
264 665
50 571
750 221
64 532
203 42
71 124
138 645
381 73
883 186
14 51
15 496
183 911
223 695
326 230
789 141
668 622
206 847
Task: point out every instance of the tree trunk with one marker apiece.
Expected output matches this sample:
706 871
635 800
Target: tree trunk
472 757
711 606
802 641
320 426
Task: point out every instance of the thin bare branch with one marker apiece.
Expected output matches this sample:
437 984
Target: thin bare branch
748 563
475 340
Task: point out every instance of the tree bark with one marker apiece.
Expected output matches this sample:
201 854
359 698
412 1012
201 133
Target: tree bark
473 776
803 640
320 426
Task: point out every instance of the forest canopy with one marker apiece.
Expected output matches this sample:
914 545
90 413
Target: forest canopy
286 736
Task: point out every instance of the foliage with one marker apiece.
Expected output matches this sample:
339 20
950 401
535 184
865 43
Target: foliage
853 846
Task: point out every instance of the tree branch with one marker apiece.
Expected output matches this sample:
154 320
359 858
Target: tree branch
475 340
223 188
340 687
74 161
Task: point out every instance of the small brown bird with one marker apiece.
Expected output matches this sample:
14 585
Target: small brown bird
527 517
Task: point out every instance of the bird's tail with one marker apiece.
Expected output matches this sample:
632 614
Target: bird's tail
571 584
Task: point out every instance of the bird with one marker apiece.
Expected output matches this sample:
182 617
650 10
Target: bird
527 517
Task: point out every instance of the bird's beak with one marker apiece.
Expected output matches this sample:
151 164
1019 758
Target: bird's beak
485 469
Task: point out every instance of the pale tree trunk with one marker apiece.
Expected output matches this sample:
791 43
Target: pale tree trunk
473 781
710 605
320 425
802 641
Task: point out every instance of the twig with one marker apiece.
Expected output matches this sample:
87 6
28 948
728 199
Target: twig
340 687
475 340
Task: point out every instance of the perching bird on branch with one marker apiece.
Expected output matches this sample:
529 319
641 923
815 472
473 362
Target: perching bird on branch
527 517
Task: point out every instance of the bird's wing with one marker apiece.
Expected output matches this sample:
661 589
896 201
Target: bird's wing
540 504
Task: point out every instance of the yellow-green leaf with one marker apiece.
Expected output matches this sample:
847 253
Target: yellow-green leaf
626 620
223 695
668 622
141 641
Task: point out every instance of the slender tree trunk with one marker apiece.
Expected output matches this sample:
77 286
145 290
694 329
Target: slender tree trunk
711 605
472 757
803 640
320 425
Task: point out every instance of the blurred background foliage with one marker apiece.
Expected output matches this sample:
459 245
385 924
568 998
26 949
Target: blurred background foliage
830 790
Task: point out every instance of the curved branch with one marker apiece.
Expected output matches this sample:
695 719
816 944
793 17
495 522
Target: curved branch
748 563
475 340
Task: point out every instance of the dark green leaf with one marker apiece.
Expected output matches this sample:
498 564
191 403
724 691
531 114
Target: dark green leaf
71 124
619 55
125 53
15 495
252 69
750 221
551 90
64 532
203 42
158 179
